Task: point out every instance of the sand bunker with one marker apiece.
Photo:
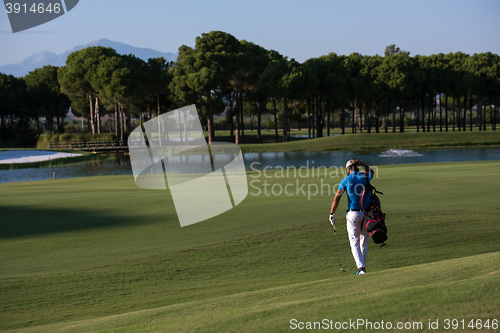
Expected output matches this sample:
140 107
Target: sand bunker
28 156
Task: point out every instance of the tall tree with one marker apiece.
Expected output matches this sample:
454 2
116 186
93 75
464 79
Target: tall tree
205 69
158 81
293 84
372 89
393 74
355 85
315 71
483 71
110 83
75 78
256 62
135 82
45 91
244 64
270 81
337 79
13 99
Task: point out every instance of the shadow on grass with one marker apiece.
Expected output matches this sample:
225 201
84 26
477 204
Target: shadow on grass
23 221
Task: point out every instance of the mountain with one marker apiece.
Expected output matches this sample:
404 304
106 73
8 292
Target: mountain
40 59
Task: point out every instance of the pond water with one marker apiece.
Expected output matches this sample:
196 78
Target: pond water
120 164
378 157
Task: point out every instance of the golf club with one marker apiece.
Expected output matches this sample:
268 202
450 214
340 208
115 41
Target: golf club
338 251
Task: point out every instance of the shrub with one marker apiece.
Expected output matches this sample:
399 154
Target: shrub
269 124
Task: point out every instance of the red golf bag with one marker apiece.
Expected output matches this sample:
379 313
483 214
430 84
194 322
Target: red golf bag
375 218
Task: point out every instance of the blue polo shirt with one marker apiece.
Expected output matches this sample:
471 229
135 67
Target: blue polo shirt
354 184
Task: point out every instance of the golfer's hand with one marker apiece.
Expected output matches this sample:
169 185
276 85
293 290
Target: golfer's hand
332 219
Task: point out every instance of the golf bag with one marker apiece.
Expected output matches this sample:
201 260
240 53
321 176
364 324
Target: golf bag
375 219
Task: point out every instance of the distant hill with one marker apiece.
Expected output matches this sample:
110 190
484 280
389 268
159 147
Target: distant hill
40 59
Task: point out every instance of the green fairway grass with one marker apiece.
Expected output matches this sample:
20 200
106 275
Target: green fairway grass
99 253
413 296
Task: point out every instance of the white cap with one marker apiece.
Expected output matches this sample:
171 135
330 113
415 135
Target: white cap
349 163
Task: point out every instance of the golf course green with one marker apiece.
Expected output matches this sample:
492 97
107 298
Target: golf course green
102 254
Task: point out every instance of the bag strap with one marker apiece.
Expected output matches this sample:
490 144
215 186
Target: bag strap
372 188
362 199
369 186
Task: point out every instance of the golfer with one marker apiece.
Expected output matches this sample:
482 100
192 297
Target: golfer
354 185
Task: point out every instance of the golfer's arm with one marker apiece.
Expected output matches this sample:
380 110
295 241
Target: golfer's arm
366 167
336 201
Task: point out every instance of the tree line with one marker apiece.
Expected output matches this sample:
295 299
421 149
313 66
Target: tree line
223 74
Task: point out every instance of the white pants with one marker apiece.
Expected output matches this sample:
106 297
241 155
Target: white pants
358 237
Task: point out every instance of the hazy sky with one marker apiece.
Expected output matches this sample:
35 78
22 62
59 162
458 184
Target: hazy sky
297 29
